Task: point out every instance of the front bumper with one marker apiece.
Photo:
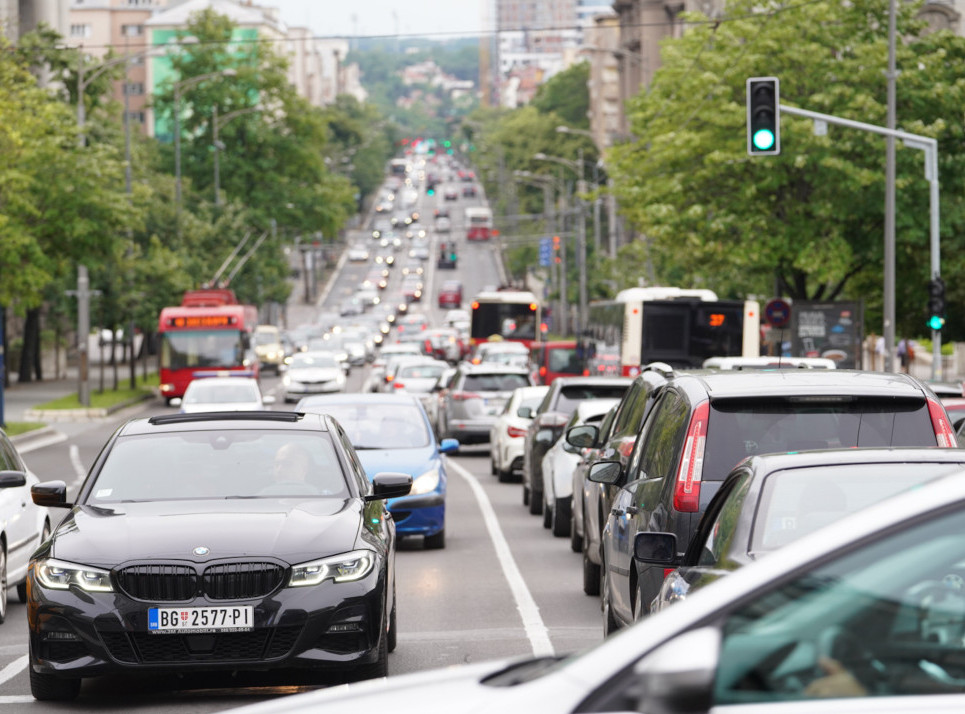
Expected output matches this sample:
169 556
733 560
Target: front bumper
333 626
419 515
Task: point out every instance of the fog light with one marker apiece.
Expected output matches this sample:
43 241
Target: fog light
345 627
62 636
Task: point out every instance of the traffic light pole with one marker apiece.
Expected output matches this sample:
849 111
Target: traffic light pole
930 147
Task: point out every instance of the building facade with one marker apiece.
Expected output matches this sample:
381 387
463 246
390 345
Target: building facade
20 16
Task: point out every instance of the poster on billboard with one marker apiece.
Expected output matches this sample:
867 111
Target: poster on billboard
833 330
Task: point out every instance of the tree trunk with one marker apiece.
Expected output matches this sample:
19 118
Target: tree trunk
30 356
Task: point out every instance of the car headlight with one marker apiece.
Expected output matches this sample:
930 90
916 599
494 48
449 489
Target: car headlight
344 568
60 575
426 483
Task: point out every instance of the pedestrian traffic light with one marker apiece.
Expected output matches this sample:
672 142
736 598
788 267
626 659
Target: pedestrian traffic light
763 116
936 303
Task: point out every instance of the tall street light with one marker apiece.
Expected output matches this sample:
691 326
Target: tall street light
577 167
217 122
178 87
547 183
611 203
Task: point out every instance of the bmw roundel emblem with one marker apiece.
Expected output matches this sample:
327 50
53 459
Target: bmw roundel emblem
201 550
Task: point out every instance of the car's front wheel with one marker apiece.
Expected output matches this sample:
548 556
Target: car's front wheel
3 583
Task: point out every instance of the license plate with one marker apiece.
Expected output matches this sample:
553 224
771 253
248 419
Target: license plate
205 619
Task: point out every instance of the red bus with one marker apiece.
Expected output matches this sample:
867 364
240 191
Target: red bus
479 223
208 334
510 315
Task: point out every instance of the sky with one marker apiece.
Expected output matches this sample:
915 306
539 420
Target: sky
381 17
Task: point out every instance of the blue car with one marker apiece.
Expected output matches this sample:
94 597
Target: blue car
391 432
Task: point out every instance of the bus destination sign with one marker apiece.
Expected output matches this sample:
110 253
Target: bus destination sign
199 321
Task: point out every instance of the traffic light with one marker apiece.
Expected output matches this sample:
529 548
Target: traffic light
936 303
763 116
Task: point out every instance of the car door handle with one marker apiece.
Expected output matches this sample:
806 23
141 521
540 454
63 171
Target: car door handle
617 512
632 510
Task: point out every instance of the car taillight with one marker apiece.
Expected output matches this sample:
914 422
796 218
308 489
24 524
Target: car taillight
542 371
399 385
686 495
943 430
464 396
514 432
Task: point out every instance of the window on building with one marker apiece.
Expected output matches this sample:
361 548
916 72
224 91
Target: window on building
80 30
136 116
134 88
132 30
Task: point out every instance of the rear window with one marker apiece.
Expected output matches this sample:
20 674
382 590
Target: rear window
494 382
564 359
741 428
570 397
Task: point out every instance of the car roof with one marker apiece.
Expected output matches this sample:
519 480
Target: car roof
861 455
804 382
491 368
215 421
561 382
223 380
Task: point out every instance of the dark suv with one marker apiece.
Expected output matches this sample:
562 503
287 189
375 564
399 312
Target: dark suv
549 420
612 440
704 423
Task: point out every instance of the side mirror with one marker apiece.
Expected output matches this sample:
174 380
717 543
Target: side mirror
656 549
12 479
52 494
583 436
608 472
447 446
679 675
389 484
525 412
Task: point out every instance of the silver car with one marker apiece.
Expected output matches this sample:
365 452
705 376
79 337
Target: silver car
475 396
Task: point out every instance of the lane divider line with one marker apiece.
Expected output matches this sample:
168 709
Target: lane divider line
536 630
76 463
13 669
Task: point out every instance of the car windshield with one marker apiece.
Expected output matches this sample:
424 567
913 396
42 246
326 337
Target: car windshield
380 425
421 371
796 502
570 397
265 338
213 392
319 359
236 463
739 428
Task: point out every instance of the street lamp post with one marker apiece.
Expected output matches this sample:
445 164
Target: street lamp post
547 183
178 87
577 167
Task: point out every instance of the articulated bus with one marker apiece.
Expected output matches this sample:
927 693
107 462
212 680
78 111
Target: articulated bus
207 335
666 324
509 315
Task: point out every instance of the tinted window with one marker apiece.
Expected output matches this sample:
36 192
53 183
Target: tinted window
570 397
720 534
239 463
494 382
564 359
664 437
740 428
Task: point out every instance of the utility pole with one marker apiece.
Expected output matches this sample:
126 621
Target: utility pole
581 243
889 267
83 294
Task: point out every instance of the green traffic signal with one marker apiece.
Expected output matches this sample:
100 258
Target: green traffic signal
763 140
936 322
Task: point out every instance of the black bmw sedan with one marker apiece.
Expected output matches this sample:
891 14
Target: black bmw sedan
216 541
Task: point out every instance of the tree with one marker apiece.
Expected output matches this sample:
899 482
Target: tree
810 218
566 95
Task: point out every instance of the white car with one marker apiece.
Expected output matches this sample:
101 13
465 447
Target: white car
559 463
863 616
222 394
358 254
508 432
23 524
314 372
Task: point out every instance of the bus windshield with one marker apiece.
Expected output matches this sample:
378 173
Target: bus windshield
202 348
511 321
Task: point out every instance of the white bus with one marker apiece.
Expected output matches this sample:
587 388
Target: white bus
667 324
505 315
479 223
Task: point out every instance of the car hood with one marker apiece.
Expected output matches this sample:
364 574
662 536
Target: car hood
292 529
317 374
411 461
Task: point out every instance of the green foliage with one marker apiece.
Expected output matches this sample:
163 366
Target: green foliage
811 217
567 95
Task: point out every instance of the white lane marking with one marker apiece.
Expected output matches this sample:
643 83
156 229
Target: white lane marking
76 463
21 699
40 443
13 669
536 631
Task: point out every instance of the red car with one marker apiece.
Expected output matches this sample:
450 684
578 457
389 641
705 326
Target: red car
450 294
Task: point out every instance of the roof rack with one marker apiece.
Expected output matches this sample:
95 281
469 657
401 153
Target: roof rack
226 416
661 368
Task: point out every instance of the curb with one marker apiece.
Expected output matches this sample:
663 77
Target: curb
84 414
37 439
